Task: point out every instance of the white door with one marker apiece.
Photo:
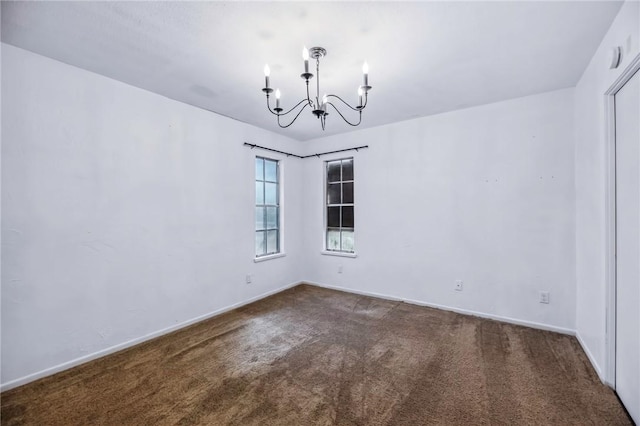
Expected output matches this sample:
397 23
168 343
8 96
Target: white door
627 113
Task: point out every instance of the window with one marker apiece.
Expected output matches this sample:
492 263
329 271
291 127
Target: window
339 207
267 207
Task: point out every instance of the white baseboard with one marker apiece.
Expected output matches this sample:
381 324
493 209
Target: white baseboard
595 365
75 362
515 321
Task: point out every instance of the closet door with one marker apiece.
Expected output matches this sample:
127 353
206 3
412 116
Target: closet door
627 112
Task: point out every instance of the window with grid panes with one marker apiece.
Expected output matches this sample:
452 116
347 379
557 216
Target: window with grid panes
267 207
339 206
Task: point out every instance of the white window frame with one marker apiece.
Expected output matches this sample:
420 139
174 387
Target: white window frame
325 169
279 205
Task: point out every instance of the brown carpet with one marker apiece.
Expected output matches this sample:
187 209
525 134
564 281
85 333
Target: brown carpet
311 356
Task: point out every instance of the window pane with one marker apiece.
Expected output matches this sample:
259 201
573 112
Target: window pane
347 193
271 193
333 193
260 243
270 170
272 241
259 169
333 217
347 240
259 192
339 205
333 171
347 217
259 218
272 217
347 169
267 211
333 239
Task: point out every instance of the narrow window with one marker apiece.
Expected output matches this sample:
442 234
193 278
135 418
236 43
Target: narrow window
267 207
339 206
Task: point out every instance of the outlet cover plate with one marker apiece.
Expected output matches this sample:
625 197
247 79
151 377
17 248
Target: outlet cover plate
544 297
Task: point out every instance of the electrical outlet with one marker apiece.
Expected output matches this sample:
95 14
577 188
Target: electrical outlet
339 269
544 297
458 285
249 278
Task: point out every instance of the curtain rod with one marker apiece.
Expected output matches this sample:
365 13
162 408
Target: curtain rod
288 154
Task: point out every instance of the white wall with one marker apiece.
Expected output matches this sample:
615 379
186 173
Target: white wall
590 160
124 213
484 195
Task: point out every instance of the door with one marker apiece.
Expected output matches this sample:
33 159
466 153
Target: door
627 122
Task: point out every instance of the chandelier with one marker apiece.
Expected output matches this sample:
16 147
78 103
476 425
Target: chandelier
318 105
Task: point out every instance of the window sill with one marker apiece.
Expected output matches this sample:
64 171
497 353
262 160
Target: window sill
268 257
338 253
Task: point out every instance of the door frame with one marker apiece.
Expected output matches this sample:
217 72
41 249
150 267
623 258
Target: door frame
610 218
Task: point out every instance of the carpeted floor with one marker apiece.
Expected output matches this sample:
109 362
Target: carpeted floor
311 356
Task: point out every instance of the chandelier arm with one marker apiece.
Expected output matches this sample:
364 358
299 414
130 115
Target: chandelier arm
269 107
344 102
297 105
283 113
294 118
347 121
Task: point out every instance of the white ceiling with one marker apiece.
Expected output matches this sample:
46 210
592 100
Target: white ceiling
425 57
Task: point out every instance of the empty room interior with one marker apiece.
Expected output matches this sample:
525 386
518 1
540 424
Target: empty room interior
320 213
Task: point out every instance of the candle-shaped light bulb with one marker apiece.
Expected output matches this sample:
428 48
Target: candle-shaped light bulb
324 103
305 56
360 94
267 71
277 98
365 72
